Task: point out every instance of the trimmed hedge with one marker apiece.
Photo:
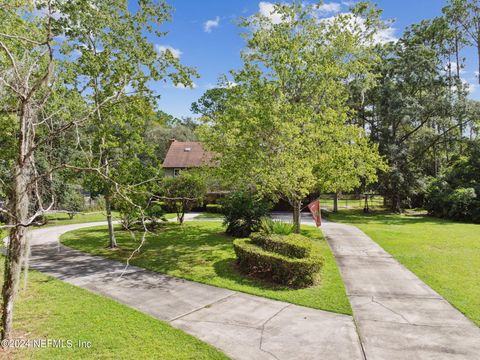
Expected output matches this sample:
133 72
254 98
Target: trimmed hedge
293 245
214 208
294 272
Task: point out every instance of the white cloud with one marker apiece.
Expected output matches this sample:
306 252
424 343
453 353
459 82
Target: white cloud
356 24
230 84
182 86
470 86
163 48
268 10
210 24
385 35
328 8
453 67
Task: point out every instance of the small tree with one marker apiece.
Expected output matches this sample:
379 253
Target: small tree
72 201
183 192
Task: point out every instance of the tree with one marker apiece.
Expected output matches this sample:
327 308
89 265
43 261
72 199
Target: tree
61 63
159 136
287 104
465 14
183 192
71 200
416 111
351 164
115 52
27 67
117 143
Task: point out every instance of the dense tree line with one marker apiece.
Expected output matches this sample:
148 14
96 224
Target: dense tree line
418 111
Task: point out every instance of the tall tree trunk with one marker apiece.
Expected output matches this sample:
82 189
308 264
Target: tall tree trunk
478 56
111 232
457 59
19 209
335 202
296 215
397 203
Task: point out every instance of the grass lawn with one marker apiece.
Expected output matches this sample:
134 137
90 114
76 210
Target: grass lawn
208 215
444 254
326 202
200 251
52 309
56 219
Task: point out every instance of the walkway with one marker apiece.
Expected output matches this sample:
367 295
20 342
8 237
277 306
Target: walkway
242 326
397 315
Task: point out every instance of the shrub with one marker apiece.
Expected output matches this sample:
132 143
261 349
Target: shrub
72 201
214 208
97 204
243 211
281 269
293 245
269 226
131 216
461 201
457 204
154 213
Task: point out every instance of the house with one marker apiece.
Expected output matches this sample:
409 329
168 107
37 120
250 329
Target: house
185 155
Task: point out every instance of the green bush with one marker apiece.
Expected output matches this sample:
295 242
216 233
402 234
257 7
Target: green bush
96 204
452 203
293 245
269 226
71 200
281 269
214 208
243 211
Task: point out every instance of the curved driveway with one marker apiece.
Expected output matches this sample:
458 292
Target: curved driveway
396 314
242 326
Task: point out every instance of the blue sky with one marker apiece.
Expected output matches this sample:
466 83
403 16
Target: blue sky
206 37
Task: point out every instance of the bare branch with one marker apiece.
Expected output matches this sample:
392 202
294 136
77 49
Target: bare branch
23 38
12 59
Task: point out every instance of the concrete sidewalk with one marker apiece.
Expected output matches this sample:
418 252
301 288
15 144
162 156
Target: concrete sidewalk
242 326
397 315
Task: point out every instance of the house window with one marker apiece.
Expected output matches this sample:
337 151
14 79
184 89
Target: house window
176 172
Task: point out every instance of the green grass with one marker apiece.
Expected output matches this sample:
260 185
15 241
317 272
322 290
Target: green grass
56 219
200 251
327 202
208 215
52 309
444 254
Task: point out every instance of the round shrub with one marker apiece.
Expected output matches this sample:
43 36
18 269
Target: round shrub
266 257
293 245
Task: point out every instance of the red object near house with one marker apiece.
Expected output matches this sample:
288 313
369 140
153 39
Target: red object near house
314 208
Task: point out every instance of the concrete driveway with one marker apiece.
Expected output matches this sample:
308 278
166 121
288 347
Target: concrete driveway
396 314
242 326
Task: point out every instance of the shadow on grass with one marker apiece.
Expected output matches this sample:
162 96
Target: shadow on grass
226 269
